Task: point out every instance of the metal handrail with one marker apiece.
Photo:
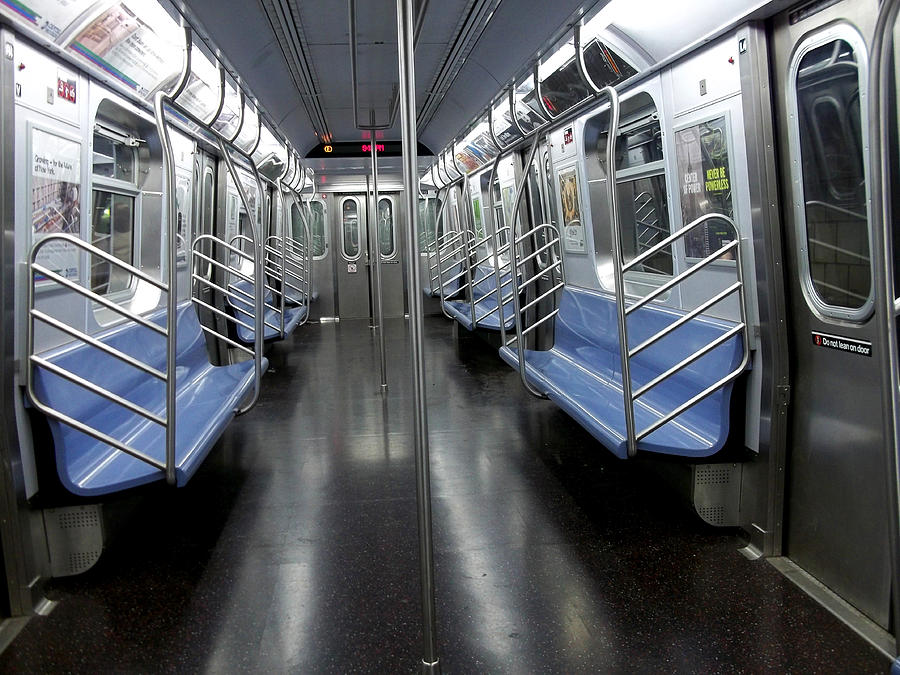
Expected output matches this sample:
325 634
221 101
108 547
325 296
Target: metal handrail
161 101
632 396
453 236
520 269
34 360
229 291
514 273
305 247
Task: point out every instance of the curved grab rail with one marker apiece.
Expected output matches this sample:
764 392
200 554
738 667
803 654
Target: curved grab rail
553 244
231 292
627 352
514 273
167 419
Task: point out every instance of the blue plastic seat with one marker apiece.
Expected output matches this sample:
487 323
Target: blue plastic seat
244 311
206 400
484 294
582 374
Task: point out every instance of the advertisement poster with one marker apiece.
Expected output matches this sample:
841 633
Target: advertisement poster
573 229
704 180
55 198
50 16
126 47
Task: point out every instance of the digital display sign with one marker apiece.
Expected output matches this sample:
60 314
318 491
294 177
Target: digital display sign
362 149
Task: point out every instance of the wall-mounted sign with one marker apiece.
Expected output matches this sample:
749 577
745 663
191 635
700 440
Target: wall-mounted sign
842 344
573 228
55 200
701 153
65 89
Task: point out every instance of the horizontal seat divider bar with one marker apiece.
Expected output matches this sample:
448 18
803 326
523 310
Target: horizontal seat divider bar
535 254
733 375
542 296
224 266
649 253
674 281
454 278
528 282
227 340
233 293
99 435
683 320
108 257
97 389
247 296
224 315
99 299
543 319
687 361
221 242
488 313
218 242
533 231
102 346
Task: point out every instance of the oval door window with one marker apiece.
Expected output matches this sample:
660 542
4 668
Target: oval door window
350 229
386 228
829 80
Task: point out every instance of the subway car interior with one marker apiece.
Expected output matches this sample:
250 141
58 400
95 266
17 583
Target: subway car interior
330 345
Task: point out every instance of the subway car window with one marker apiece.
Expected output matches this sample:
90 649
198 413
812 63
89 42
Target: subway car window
834 188
319 231
112 212
386 233
641 186
350 229
428 209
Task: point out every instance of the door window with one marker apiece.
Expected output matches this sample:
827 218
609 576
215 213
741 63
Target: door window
319 232
350 228
828 85
386 233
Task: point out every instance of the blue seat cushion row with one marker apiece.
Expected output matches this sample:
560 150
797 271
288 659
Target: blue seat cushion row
582 374
244 311
206 398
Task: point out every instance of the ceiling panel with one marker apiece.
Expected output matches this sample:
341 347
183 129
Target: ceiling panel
516 30
494 61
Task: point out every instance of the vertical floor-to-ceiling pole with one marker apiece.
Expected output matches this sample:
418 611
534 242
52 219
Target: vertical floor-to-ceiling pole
430 662
379 293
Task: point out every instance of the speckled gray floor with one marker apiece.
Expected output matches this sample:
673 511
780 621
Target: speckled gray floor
294 547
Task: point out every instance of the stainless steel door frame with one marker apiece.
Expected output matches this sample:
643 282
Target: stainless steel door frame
323 271
836 508
393 274
352 275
